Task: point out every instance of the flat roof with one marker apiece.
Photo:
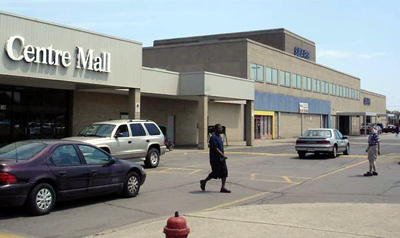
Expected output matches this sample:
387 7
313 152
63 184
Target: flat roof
193 39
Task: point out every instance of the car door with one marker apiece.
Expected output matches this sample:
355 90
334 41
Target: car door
140 140
104 176
71 173
122 146
340 141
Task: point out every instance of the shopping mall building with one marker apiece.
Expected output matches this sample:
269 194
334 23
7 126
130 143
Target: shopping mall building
56 79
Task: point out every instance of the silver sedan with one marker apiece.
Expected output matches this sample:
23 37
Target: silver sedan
322 140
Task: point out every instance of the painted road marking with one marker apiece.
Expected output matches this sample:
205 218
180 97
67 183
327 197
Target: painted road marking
287 179
285 187
253 176
9 235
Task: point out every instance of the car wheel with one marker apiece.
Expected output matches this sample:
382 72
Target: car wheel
334 151
302 155
347 151
153 158
41 200
131 185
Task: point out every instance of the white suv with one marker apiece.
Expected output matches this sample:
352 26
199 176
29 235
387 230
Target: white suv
126 139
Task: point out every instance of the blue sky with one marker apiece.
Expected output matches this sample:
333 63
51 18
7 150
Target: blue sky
356 37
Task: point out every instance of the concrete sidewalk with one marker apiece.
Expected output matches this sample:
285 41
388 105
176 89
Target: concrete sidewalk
288 220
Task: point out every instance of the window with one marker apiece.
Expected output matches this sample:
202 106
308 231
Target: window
123 131
257 72
94 156
137 129
284 78
274 76
22 150
271 75
100 130
299 79
65 155
337 90
308 84
317 85
294 80
332 89
152 129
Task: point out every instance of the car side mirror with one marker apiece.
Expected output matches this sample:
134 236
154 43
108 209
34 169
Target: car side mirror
118 135
111 162
344 137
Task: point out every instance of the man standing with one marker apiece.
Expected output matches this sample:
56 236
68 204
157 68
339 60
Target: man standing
373 150
217 160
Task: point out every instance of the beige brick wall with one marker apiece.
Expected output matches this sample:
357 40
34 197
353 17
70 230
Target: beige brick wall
311 121
224 58
91 107
290 125
229 115
378 102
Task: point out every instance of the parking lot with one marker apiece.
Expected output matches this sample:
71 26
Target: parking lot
269 173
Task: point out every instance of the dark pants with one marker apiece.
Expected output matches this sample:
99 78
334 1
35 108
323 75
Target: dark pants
219 169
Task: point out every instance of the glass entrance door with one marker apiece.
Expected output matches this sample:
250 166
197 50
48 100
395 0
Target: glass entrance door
32 113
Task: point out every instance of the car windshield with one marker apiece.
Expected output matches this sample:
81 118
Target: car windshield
97 130
21 150
317 133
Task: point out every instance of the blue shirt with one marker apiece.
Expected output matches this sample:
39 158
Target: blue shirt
373 138
216 142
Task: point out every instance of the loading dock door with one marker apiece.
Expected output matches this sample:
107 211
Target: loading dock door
344 125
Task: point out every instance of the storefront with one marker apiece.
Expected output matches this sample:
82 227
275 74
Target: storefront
263 125
55 80
33 113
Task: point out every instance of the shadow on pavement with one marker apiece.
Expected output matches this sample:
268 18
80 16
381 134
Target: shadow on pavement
14 212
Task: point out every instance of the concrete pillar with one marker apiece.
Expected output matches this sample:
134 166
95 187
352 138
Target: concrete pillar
321 123
302 123
202 122
338 122
134 103
365 125
249 122
278 130
359 124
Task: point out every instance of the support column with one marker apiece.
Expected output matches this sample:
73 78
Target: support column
302 123
134 103
359 124
202 122
338 122
249 122
278 130
321 123
365 124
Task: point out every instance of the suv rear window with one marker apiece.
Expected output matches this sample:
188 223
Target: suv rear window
137 130
152 129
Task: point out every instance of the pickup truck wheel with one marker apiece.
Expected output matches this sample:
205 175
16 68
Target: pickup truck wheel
152 158
302 154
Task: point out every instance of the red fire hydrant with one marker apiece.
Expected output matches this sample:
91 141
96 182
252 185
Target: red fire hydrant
176 227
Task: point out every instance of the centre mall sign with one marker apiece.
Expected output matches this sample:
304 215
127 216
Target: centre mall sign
50 56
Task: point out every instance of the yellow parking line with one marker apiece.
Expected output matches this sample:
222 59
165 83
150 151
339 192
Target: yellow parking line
339 170
237 201
196 171
287 179
8 235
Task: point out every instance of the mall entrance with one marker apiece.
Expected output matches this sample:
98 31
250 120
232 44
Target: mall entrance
33 113
263 127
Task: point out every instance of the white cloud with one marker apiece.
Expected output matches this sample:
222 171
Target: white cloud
371 55
337 54
332 54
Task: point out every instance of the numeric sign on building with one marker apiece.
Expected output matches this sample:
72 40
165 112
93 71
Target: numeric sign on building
17 50
301 53
303 107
